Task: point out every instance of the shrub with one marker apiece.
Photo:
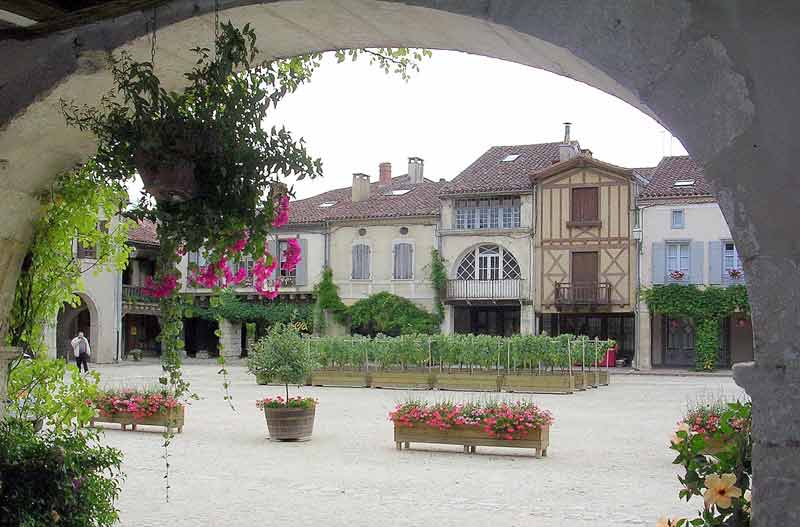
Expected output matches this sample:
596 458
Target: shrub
391 315
56 478
281 356
714 446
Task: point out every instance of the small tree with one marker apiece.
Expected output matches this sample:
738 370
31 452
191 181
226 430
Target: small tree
281 356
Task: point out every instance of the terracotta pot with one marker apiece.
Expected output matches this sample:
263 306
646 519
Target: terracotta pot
289 424
167 183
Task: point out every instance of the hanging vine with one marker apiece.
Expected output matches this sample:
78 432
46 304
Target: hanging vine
439 280
705 307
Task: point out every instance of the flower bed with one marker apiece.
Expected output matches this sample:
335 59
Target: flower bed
519 424
137 407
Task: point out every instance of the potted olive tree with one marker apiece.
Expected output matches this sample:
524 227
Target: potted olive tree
281 356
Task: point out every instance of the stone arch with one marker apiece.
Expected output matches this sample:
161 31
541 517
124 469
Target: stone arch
84 317
707 71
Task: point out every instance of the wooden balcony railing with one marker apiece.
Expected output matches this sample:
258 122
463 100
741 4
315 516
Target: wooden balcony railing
509 289
135 293
583 294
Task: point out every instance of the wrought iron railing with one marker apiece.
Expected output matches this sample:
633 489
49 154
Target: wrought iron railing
135 293
583 294
506 289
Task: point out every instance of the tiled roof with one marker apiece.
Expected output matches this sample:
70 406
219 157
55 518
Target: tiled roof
144 232
645 172
489 173
581 161
670 170
420 200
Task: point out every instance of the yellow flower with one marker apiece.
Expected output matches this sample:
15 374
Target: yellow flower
667 522
675 440
720 490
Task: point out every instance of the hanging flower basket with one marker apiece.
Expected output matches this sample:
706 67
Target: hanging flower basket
173 183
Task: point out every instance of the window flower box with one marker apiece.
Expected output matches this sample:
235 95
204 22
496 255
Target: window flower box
678 276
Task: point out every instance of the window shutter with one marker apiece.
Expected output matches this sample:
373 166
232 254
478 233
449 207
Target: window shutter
301 273
356 262
361 269
715 262
659 262
696 262
402 261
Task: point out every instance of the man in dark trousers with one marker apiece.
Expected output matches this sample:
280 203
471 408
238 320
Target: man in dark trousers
82 351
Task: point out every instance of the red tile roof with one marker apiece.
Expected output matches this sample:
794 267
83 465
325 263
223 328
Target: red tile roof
670 170
420 200
489 173
581 161
144 232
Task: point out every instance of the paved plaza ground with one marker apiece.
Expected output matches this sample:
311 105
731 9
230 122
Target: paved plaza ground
608 462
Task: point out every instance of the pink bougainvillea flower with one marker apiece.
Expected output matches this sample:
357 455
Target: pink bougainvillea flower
242 243
291 256
282 214
161 289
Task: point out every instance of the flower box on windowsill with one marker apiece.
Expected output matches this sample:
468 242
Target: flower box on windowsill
469 437
677 276
584 223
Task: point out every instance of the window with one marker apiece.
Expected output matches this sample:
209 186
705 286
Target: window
678 219
684 183
510 157
730 258
327 204
361 262
585 205
488 262
87 251
283 245
637 219
678 258
400 192
488 214
403 261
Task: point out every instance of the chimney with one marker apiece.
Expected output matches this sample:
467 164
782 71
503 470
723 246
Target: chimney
566 150
360 187
415 170
385 174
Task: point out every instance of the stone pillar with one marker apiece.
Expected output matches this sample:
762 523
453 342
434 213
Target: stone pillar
6 356
644 352
446 327
527 320
230 339
332 326
773 384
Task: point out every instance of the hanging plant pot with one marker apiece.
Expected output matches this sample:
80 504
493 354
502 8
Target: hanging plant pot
173 182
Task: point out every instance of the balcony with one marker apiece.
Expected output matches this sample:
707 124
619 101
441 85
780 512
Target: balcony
135 302
486 289
135 293
582 294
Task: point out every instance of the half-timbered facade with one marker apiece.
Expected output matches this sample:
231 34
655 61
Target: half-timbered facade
585 252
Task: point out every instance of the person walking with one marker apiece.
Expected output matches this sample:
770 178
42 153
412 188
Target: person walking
82 351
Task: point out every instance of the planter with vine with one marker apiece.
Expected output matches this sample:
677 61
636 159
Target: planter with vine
410 380
282 356
517 425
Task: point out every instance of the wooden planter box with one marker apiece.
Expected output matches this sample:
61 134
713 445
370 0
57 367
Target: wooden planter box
594 378
478 382
469 437
355 379
153 420
543 383
413 380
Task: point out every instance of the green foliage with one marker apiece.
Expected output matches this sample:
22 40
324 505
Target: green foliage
326 295
519 353
281 356
52 274
439 280
391 315
713 443
705 307
56 478
232 307
39 389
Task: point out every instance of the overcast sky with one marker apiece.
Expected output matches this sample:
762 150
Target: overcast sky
354 116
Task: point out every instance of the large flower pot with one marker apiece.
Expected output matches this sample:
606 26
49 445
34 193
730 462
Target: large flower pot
290 424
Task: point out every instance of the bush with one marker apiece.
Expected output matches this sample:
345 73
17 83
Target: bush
714 446
391 315
281 356
56 478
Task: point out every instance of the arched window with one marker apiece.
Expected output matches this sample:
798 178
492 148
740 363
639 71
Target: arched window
488 262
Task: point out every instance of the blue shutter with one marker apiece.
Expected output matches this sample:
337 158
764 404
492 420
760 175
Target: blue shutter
301 273
659 262
696 262
715 262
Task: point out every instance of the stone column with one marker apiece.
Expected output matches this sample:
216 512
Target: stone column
773 384
644 352
332 327
6 356
446 327
230 339
527 320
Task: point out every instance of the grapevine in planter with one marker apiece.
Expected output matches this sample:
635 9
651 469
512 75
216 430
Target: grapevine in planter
284 357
